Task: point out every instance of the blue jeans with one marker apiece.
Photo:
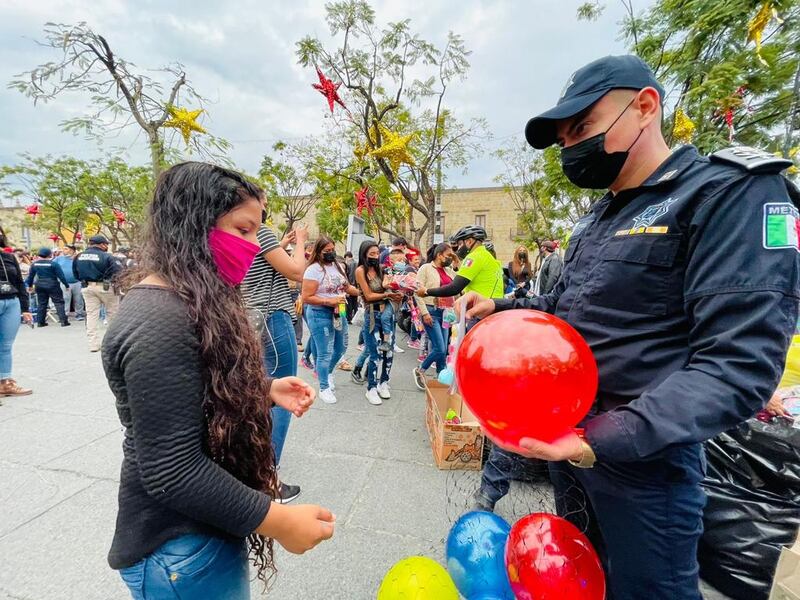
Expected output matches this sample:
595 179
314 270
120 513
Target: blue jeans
643 518
437 336
280 360
501 468
371 355
309 354
329 343
191 567
10 315
388 324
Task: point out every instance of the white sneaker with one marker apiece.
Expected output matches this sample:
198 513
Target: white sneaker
398 349
327 396
331 382
383 390
373 398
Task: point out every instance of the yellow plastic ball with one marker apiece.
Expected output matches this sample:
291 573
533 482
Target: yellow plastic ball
417 578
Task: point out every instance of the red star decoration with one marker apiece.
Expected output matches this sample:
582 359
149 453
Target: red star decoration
119 217
364 200
53 237
328 88
33 210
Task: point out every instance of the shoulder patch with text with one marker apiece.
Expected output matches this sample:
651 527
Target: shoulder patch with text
781 226
468 262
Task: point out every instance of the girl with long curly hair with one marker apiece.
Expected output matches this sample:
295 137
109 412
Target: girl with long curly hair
198 475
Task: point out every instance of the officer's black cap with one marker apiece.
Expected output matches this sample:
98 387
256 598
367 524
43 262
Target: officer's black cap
585 87
98 239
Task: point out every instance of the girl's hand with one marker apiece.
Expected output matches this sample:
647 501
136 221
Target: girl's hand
27 317
775 407
298 528
292 394
428 320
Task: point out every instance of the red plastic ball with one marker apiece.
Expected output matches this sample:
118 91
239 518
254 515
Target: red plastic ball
548 558
525 373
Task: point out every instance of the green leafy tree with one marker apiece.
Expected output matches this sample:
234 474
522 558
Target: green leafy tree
705 53
287 183
373 66
120 95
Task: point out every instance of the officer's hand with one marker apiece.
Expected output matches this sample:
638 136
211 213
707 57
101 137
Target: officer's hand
27 317
422 292
477 306
775 407
292 394
567 447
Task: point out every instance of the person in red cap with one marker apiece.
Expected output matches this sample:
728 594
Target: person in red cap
550 271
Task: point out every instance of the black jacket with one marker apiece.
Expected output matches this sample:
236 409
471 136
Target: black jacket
13 275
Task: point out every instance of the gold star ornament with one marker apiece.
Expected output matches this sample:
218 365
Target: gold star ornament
394 149
184 120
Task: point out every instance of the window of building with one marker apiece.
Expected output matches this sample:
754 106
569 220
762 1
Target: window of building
480 221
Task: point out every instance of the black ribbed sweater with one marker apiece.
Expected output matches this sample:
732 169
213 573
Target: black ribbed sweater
169 485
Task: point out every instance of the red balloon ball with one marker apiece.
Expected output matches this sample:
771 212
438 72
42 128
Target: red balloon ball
525 373
548 558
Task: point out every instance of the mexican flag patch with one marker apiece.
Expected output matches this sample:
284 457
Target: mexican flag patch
781 225
468 262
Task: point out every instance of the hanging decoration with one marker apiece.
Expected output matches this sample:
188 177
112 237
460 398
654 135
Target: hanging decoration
336 205
33 211
394 148
364 200
53 237
77 237
185 121
683 128
728 107
759 23
119 217
329 89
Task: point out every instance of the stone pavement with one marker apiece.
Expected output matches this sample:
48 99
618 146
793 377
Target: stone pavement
61 453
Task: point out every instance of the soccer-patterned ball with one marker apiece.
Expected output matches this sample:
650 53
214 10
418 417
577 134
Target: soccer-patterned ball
417 578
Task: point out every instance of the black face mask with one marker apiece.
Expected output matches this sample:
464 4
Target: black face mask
328 257
462 251
523 256
373 262
589 166
447 262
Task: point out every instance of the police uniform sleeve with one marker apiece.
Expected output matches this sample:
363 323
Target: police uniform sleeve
741 299
545 303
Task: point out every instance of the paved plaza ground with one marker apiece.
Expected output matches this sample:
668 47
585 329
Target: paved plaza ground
61 453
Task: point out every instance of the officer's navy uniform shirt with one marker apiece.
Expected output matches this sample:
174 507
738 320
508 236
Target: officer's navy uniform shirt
95 265
687 294
45 274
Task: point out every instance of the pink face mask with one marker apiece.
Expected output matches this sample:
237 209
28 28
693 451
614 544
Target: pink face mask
232 255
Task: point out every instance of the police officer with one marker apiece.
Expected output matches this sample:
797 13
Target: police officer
47 277
683 279
479 271
95 268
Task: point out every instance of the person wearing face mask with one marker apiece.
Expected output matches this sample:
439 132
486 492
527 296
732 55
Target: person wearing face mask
435 274
96 269
550 271
684 281
325 290
520 272
198 484
479 271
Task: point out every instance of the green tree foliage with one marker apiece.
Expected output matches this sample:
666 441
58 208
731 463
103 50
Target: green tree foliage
705 53
81 196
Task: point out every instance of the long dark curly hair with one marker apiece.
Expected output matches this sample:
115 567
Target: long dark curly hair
188 200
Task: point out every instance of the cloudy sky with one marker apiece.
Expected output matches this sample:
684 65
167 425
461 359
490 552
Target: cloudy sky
240 55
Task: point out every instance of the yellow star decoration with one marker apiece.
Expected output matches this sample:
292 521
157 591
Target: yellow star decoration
757 25
185 120
394 149
683 129
336 204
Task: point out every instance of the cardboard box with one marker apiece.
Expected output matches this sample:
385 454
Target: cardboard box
786 585
454 446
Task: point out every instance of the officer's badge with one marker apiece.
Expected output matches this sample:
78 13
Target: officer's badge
652 213
781 226
468 262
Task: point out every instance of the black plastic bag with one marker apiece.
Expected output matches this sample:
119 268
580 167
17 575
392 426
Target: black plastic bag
753 509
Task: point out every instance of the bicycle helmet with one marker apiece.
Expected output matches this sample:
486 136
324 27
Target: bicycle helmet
475 232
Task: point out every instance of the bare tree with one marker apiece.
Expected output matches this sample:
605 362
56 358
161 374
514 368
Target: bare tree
120 96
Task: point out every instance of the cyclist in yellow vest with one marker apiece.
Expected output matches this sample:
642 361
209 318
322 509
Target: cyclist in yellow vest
480 272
